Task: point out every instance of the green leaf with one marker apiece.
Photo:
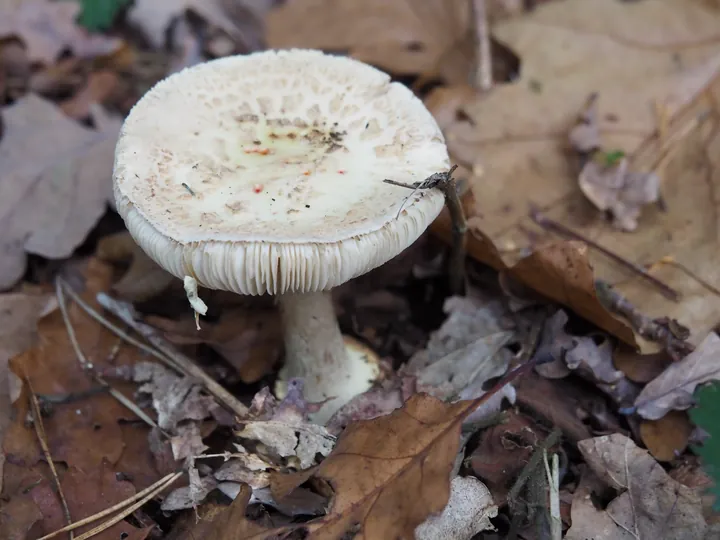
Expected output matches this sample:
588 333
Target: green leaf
613 156
705 415
98 15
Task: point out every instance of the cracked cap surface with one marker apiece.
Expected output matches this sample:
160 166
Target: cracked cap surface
264 173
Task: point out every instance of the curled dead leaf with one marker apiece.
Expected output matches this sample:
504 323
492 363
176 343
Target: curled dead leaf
667 437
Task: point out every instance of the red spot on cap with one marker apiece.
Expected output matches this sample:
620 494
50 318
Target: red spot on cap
341 171
257 188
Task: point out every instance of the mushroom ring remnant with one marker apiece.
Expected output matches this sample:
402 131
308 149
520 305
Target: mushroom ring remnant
263 174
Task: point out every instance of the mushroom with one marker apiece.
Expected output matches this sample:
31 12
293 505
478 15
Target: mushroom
263 174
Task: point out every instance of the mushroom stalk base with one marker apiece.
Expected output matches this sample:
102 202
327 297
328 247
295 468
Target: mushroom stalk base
316 352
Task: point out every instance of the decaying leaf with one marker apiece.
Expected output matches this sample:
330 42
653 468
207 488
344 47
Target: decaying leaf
504 450
516 136
640 368
400 36
56 183
249 337
373 468
673 388
81 432
616 189
605 178
18 516
667 437
557 401
175 398
467 513
19 313
465 352
283 429
191 495
47 28
240 20
87 492
303 441
188 442
589 355
650 503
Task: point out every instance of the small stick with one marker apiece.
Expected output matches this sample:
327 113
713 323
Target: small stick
553 480
550 225
190 191
115 329
446 183
40 432
643 325
119 506
88 366
482 74
126 313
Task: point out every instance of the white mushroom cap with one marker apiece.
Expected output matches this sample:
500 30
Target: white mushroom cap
264 173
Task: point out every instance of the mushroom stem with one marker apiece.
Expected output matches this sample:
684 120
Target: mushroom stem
316 352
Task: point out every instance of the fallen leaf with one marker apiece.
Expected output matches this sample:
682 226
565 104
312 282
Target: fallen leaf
372 469
467 512
189 496
503 451
240 20
556 401
667 437
283 429
57 181
175 398
137 462
640 368
673 388
650 503
144 278
47 28
88 492
399 36
19 313
188 442
224 523
514 137
98 88
465 352
82 423
620 191
591 356
249 337
18 516
380 400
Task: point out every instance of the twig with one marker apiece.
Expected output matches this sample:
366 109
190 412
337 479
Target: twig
643 325
550 225
129 510
115 329
553 480
482 74
164 482
126 313
532 464
446 183
87 365
42 437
